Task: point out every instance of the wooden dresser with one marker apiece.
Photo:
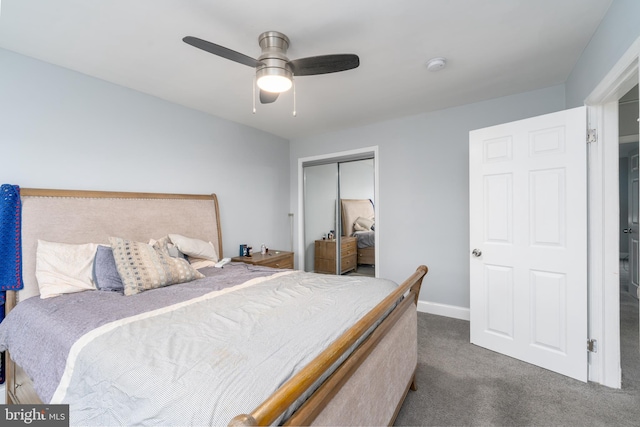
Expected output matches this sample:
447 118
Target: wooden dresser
273 258
325 255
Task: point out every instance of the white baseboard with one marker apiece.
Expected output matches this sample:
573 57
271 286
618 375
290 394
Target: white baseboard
453 311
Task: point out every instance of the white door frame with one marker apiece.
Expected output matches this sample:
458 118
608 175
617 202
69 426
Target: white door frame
603 206
338 157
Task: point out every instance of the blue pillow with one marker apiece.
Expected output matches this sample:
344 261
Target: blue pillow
105 272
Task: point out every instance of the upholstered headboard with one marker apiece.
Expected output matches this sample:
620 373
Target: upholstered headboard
92 216
351 210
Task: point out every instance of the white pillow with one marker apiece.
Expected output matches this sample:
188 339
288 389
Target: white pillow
63 268
194 248
363 224
199 263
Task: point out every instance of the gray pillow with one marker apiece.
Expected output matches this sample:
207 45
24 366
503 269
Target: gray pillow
105 272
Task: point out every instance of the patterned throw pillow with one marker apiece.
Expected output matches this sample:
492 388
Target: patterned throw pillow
143 267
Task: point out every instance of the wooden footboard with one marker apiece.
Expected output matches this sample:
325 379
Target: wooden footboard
286 395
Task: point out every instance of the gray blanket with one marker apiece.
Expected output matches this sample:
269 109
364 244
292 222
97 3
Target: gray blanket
366 239
211 357
55 324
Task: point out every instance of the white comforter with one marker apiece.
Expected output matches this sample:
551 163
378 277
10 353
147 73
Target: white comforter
206 360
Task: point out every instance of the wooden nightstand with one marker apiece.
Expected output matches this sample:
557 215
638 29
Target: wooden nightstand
273 258
325 255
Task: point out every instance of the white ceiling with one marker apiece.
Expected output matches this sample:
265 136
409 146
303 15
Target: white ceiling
494 48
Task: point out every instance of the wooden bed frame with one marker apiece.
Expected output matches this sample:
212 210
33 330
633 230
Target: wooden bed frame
368 388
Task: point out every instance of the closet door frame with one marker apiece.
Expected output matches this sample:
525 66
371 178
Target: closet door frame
338 157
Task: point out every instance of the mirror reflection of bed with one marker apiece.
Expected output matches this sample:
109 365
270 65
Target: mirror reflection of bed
358 221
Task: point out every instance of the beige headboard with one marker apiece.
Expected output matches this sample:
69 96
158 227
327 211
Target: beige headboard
67 216
351 210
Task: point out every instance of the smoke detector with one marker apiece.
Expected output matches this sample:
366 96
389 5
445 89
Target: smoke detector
436 64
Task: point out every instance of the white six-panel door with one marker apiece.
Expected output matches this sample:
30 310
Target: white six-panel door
528 240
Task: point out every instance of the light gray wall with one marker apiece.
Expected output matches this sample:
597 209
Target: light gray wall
62 129
628 119
618 30
424 190
357 180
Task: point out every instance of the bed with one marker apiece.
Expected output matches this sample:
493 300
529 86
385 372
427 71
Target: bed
358 221
358 376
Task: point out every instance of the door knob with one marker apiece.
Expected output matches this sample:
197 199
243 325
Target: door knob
476 252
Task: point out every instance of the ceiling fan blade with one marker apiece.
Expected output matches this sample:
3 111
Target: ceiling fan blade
222 51
268 97
324 64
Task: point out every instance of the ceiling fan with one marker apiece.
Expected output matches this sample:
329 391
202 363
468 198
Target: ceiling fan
274 71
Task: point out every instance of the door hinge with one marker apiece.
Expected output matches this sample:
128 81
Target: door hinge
592 346
592 136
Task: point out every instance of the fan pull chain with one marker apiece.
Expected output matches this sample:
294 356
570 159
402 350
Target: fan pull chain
254 94
295 113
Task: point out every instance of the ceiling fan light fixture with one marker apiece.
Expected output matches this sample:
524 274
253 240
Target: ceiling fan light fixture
273 70
274 83
275 80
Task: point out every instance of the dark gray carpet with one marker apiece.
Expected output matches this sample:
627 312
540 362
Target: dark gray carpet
629 345
363 270
460 384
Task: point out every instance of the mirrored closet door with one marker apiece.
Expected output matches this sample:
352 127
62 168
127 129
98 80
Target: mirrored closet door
339 217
